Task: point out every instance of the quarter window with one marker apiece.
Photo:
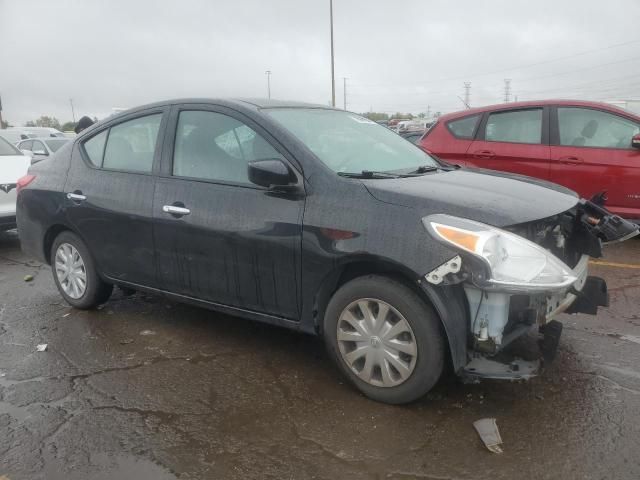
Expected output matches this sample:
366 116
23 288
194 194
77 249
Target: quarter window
464 127
584 127
94 147
38 148
522 126
26 145
214 146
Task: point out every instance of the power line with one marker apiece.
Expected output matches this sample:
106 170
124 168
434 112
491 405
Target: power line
519 67
507 90
467 94
344 91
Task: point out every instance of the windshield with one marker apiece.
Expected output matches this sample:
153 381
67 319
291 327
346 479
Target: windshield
347 142
55 144
7 149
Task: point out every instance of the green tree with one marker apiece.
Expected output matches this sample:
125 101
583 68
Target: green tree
68 126
30 123
376 116
48 122
403 116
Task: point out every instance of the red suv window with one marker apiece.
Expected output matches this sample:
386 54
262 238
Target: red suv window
464 127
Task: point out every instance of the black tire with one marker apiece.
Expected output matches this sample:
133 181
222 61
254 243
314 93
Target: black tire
97 291
424 322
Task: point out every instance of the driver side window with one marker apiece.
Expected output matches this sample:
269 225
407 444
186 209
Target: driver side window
214 146
585 127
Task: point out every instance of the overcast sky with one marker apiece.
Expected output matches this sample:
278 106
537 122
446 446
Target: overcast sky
405 56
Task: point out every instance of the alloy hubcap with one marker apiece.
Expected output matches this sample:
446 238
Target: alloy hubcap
70 271
377 342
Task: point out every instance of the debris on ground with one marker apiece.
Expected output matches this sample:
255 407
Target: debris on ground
42 347
126 341
28 278
488 431
147 332
66 314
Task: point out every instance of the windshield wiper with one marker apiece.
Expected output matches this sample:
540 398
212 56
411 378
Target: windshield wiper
368 174
426 169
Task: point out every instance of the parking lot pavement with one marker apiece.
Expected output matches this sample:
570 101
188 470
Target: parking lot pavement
145 388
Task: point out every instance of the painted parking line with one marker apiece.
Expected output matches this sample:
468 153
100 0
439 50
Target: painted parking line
613 264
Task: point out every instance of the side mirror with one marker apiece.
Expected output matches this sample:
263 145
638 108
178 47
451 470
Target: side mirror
272 173
28 153
635 141
40 152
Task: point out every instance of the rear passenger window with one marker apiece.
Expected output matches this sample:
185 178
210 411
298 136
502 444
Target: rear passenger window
214 146
130 145
464 127
522 126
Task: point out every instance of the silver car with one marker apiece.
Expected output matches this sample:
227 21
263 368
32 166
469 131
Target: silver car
41 148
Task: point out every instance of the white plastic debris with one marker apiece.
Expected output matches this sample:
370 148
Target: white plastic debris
42 347
488 431
147 332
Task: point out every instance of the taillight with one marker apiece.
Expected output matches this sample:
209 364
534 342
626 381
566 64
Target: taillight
23 182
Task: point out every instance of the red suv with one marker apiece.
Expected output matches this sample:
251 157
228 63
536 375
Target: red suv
588 147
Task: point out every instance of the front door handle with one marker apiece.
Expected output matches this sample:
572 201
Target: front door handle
571 160
76 197
176 211
484 154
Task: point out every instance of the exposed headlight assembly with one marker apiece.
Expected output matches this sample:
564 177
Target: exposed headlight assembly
512 262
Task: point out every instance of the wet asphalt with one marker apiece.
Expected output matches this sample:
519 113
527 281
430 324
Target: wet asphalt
145 388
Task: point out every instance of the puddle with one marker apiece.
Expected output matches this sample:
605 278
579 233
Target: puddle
105 467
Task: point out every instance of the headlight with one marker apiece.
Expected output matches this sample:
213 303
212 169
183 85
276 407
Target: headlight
512 261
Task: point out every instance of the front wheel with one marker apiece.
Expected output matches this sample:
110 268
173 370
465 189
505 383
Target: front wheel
385 339
75 273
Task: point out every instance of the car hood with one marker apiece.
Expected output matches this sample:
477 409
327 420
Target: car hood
496 198
12 167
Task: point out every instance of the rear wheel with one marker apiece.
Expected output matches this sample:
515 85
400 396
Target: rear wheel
385 339
75 273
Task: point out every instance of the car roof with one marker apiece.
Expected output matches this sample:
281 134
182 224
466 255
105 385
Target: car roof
256 103
537 103
46 138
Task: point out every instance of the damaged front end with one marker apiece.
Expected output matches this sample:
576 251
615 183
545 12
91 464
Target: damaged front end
518 278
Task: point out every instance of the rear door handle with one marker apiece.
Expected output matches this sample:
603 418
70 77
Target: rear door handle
76 197
571 160
484 154
176 211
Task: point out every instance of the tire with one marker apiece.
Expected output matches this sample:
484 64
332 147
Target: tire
425 333
96 291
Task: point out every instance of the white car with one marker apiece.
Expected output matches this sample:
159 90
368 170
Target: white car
13 165
13 136
33 132
41 148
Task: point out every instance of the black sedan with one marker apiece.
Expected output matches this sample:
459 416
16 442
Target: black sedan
322 221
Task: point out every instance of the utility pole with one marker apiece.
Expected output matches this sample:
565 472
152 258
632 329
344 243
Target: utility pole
344 91
507 90
268 74
1 124
467 94
73 112
333 77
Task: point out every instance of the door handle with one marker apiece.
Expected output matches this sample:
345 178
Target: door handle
177 211
76 197
571 160
484 154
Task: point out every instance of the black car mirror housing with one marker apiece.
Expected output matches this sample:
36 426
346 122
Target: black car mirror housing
271 173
